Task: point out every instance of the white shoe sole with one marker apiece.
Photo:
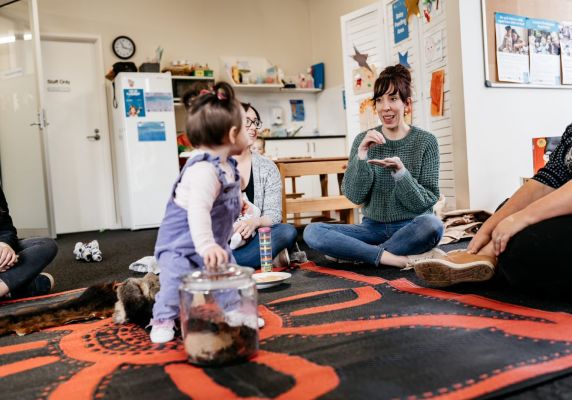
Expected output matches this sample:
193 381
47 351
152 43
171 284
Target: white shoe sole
441 273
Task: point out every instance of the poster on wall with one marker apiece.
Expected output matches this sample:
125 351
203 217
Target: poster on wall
400 26
434 47
297 108
134 102
566 51
437 92
544 44
151 131
158 101
512 48
542 147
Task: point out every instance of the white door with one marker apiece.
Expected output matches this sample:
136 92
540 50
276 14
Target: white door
23 154
79 145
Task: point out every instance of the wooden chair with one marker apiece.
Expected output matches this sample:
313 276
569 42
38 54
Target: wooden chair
297 167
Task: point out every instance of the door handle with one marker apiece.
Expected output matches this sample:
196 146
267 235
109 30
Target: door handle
96 136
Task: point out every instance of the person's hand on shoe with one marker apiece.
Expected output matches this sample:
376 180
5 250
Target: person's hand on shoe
506 229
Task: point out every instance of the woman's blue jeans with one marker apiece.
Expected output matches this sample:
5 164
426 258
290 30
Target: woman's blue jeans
283 237
367 241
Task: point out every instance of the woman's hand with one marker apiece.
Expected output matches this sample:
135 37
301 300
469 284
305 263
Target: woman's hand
246 227
8 257
371 138
393 163
215 256
481 239
506 229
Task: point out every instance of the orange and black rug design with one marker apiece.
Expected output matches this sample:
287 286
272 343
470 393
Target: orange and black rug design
329 334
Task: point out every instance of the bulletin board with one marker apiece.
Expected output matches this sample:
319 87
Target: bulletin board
558 10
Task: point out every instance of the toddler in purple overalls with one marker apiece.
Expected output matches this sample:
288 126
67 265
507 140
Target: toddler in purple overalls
204 203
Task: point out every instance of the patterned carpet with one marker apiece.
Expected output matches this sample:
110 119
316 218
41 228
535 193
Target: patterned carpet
329 334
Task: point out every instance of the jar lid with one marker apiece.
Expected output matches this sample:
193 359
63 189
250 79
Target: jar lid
226 276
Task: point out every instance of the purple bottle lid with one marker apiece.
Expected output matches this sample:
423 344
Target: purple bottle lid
264 229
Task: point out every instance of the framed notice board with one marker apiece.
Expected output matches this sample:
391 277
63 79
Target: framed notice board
530 10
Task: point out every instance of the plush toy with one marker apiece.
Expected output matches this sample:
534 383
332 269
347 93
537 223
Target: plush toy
249 210
88 251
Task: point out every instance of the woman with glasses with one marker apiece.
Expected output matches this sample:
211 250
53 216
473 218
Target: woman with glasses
263 187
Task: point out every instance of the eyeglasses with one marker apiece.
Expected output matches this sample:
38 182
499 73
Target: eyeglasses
257 123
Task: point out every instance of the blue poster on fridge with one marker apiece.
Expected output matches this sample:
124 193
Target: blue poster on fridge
134 102
151 131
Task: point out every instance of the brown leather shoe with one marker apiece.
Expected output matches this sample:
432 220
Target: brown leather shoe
455 268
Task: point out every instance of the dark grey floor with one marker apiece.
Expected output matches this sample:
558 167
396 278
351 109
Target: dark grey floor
122 247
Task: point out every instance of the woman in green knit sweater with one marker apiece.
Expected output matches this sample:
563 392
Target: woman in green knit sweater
393 172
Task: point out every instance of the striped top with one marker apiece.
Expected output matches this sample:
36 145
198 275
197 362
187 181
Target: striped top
558 169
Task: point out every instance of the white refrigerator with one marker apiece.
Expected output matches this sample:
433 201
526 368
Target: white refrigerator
144 147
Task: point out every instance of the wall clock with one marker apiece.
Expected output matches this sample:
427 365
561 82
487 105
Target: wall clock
123 47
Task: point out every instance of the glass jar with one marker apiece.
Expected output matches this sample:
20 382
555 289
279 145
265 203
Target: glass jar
219 315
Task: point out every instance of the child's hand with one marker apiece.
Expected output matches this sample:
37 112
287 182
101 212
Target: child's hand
215 256
246 227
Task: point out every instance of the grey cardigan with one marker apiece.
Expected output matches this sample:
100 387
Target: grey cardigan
267 188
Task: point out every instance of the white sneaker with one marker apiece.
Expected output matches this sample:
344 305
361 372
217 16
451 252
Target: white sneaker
162 331
434 253
237 318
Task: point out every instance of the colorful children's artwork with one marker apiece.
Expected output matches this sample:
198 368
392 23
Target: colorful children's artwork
363 79
158 102
512 48
151 131
437 92
544 43
542 147
134 102
367 116
566 51
297 107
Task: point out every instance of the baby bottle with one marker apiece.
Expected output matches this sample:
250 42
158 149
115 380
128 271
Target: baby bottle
219 317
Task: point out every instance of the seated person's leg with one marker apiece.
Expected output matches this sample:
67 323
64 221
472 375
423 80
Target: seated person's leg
35 255
359 242
419 236
283 237
538 258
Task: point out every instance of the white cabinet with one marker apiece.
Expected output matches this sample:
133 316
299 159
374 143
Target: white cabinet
310 147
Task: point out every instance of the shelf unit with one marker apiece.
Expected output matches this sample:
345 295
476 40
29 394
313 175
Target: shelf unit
174 78
272 88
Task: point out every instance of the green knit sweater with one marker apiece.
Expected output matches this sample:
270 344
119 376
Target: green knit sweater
386 198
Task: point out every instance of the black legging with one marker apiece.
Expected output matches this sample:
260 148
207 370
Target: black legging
538 258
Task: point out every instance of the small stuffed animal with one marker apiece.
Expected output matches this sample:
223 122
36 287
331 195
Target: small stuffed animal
249 210
88 251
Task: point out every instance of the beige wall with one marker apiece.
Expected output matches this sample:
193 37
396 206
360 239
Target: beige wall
326 34
293 34
197 31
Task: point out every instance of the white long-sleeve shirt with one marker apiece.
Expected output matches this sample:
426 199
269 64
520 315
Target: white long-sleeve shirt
196 193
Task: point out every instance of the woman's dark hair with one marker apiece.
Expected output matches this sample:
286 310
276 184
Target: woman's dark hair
212 115
396 78
248 106
194 90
